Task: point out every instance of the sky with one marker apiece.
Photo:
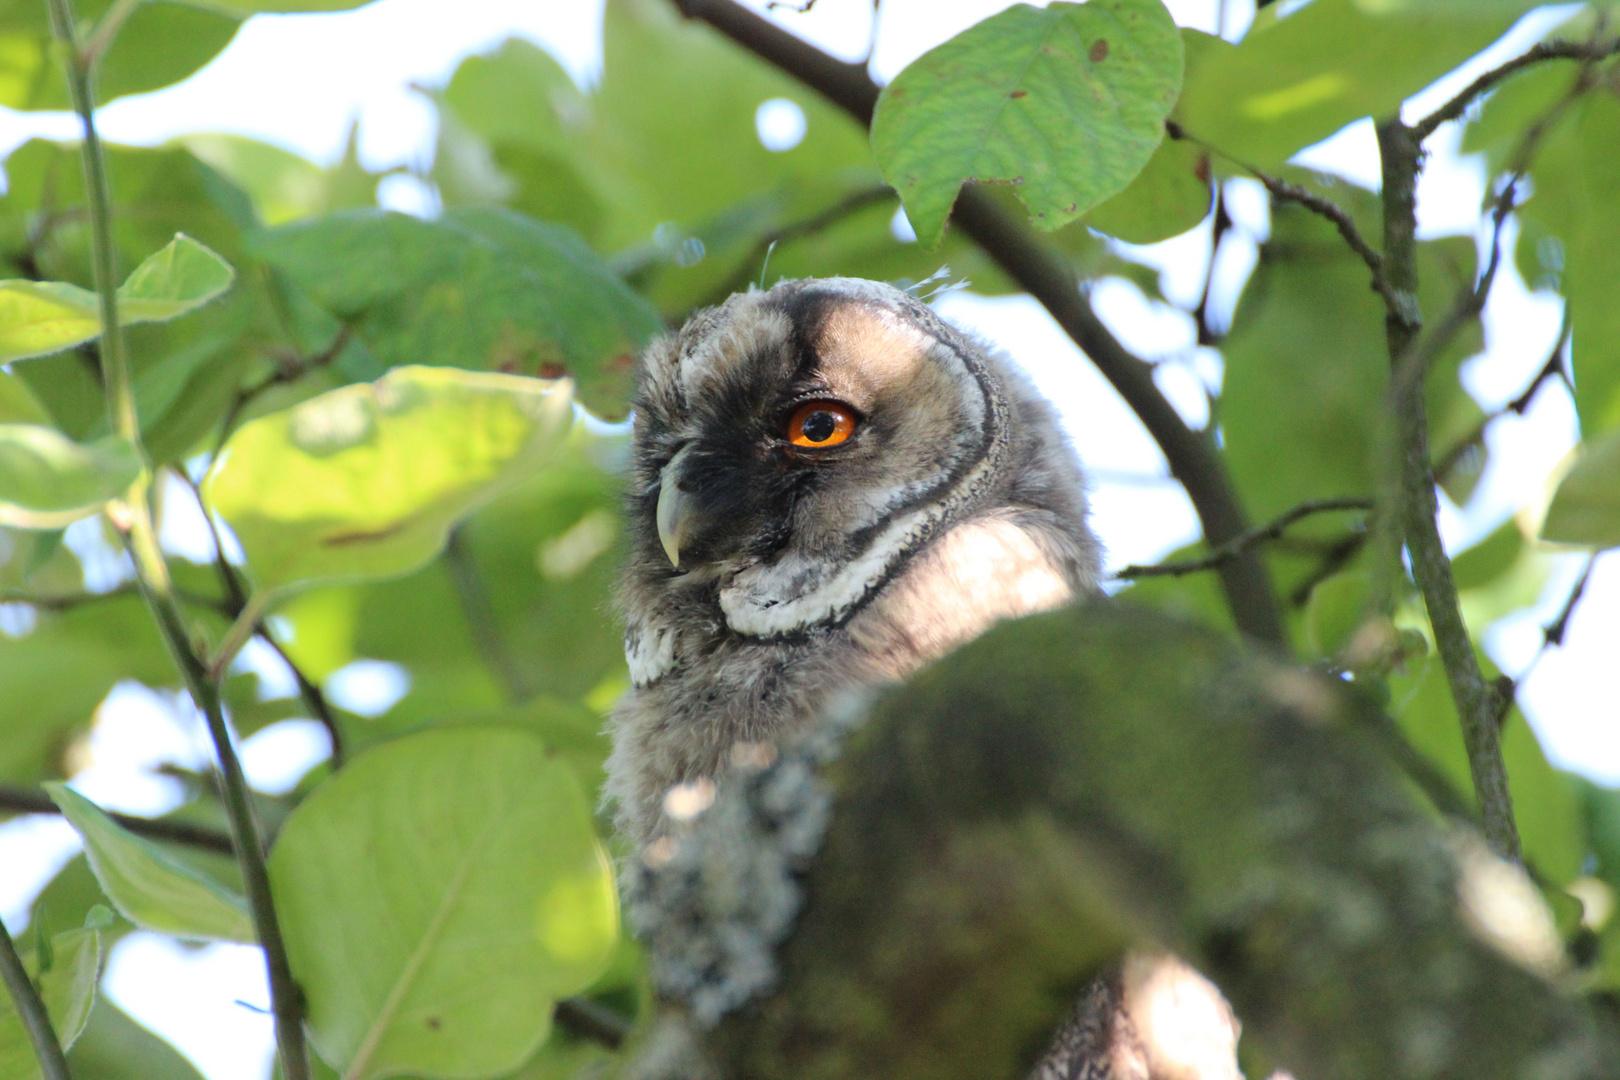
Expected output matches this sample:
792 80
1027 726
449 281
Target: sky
361 66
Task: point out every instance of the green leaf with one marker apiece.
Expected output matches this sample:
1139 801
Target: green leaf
68 988
150 887
48 481
1296 80
439 895
115 1047
169 283
1586 507
1490 558
366 481
1169 196
1067 103
481 289
41 317
1454 9
162 43
18 405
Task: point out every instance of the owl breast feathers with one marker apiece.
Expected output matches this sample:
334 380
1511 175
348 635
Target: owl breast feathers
831 487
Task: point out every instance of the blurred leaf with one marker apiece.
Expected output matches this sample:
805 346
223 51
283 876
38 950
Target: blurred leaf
1294 81
1168 197
438 896
366 481
182 276
1601 806
48 481
1470 9
52 679
1586 507
1067 103
1306 363
284 186
18 404
150 887
68 899
68 988
34 563
1545 804
1490 558
115 1047
162 43
39 317
1333 612
479 289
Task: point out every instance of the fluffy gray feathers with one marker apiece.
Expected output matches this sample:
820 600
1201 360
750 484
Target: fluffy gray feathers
807 572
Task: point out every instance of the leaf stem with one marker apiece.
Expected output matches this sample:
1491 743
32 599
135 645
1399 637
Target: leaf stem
31 1010
1416 504
239 633
106 31
133 519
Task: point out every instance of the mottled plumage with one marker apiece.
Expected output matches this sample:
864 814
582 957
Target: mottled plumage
806 572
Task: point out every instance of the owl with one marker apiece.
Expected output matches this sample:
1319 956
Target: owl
831 486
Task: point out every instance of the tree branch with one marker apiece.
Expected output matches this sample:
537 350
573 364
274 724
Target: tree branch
1553 368
1192 456
26 801
31 1011
1230 550
1476 701
1589 51
1078 783
1311 201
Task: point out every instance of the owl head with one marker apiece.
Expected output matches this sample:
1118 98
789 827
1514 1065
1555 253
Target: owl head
794 447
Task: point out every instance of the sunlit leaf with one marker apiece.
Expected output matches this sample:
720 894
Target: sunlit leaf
68 988
1586 507
1294 81
150 887
366 481
173 281
48 481
1067 103
161 43
438 896
40 317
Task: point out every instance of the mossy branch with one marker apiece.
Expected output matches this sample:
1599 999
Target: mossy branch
1077 782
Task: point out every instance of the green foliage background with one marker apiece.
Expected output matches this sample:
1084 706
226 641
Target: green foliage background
577 224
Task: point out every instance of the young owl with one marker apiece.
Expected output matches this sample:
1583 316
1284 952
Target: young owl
831 487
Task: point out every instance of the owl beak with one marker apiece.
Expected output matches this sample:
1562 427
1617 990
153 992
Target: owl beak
674 510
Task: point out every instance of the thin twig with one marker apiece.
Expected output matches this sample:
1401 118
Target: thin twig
482 621
1590 51
1553 368
1049 277
1476 701
1552 635
1222 223
133 519
26 801
236 601
31 1011
291 369
1230 550
1311 201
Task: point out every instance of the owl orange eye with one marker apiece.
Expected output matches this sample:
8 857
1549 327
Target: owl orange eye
819 424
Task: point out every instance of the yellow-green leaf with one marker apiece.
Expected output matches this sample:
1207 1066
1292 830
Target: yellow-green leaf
1586 507
151 888
367 480
438 896
48 481
67 984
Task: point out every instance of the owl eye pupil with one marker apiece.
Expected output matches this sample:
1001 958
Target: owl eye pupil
820 426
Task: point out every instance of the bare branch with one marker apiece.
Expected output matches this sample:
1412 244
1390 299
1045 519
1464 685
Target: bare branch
1230 550
1311 201
1051 280
1589 51
26 801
